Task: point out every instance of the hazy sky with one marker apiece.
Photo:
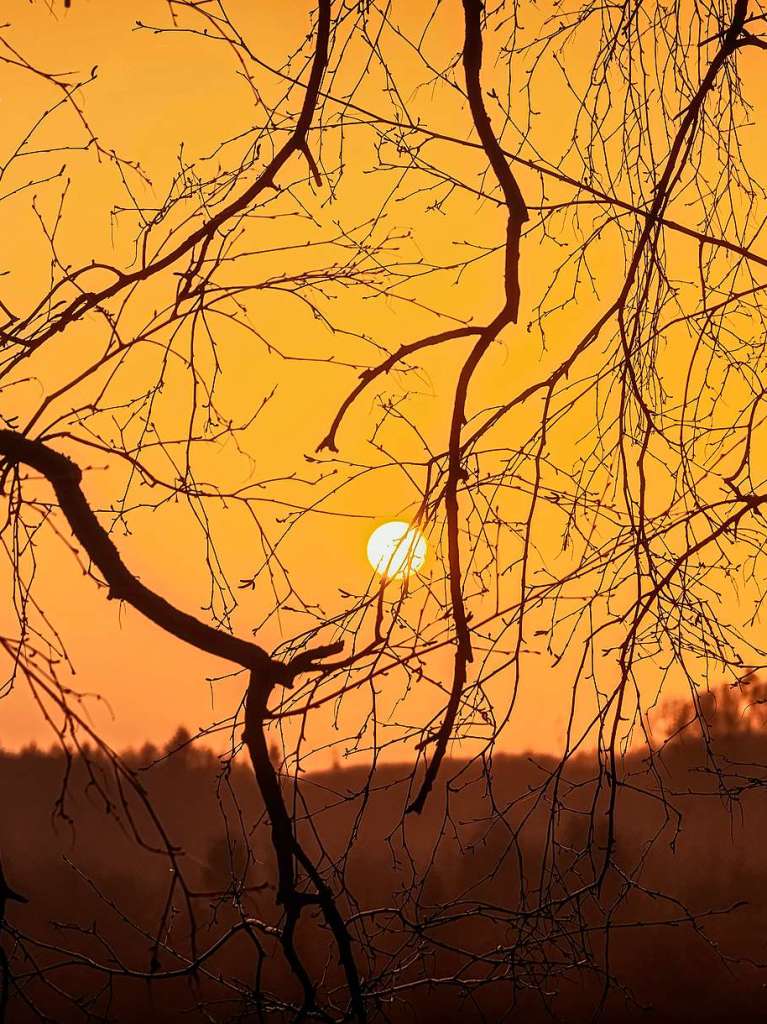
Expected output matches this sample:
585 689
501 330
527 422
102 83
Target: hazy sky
167 101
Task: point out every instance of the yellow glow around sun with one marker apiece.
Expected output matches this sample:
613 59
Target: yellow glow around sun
396 550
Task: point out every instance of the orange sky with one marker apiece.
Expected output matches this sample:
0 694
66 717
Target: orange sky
157 96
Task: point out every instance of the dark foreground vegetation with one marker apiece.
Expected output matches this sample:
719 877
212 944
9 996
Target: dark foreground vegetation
105 935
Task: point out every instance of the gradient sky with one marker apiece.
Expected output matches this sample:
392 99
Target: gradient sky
159 98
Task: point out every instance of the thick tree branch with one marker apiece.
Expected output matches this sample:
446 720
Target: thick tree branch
288 850
517 215
65 477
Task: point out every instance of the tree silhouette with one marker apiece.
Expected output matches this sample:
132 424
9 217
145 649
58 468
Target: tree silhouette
588 470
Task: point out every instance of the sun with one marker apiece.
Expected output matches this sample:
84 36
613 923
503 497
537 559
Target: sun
396 550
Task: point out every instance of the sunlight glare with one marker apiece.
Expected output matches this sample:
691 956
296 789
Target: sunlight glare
396 550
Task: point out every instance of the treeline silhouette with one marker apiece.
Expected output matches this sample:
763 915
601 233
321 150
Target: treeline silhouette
688 941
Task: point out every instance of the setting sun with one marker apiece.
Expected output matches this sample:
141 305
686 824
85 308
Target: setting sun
396 550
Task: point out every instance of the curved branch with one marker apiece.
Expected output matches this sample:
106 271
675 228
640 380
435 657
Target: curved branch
515 204
65 477
369 375
517 215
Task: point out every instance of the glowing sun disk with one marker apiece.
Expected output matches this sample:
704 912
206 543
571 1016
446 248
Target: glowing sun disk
396 550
